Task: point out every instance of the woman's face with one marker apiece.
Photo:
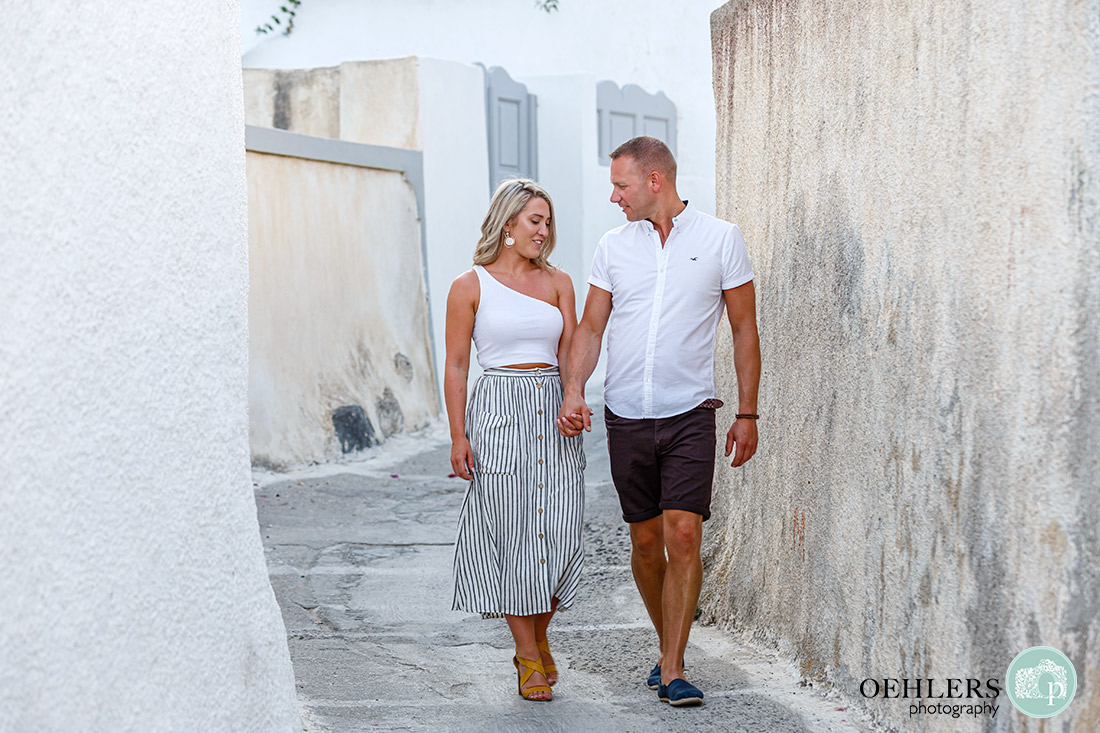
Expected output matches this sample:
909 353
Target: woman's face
530 228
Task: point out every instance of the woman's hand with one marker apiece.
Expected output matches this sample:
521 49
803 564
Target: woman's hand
462 458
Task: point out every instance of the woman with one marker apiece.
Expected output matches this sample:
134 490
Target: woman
519 551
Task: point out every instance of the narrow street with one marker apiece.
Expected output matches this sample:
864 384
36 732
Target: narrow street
360 559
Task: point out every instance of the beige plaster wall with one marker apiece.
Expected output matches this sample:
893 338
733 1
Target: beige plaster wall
918 188
337 308
305 101
380 102
434 106
373 102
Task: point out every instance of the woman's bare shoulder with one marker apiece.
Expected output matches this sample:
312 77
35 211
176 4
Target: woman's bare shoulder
560 278
466 284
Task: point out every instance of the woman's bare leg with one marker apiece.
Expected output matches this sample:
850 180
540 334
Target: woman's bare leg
523 631
542 622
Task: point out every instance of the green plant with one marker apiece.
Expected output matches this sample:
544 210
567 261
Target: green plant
289 11
288 14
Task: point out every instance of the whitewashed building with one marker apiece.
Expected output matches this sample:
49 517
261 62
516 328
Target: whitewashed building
593 74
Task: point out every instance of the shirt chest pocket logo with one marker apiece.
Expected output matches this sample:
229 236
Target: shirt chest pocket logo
494 443
698 274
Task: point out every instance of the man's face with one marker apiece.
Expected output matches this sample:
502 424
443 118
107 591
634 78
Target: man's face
630 189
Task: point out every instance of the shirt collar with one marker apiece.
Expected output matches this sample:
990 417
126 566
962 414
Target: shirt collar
684 216
681 219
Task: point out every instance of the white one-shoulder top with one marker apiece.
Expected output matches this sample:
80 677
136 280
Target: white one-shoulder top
513 328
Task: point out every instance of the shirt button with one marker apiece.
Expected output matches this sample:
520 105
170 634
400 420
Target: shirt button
540 412
540 437
540 486
540 510
543 561
540 535
538 384
540 461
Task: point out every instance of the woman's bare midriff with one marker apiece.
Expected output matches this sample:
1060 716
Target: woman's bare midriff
528 366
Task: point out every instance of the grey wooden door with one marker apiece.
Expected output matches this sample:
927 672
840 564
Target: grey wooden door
630 112
511 119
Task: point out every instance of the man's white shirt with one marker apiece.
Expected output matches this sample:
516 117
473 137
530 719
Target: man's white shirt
665 306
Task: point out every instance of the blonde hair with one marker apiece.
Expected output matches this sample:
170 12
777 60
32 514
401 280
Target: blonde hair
508 201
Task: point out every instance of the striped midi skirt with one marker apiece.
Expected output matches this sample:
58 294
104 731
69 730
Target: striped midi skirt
519 533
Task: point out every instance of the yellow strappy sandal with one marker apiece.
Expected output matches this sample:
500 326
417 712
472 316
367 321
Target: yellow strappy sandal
530 667
544 647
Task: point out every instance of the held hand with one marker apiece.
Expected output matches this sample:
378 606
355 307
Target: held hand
573 417
742 434
462 458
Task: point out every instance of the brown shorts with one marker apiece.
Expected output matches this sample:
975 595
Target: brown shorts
662 463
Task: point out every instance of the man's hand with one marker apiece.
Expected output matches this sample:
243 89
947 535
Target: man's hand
584 351
462 458
574 416
742 434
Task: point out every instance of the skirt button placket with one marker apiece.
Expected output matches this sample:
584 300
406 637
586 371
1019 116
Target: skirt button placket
541 521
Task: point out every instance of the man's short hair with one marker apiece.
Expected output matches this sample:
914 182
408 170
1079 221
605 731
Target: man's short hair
650 154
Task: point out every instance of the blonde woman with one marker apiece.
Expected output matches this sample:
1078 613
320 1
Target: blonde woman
518 552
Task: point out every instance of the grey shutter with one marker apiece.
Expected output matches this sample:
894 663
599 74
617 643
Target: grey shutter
511 122
630 112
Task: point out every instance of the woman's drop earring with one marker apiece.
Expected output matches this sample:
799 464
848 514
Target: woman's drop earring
508 241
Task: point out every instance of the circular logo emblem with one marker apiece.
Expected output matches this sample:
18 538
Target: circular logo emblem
1041 682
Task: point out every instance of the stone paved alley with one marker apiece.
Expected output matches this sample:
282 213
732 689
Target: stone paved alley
360 557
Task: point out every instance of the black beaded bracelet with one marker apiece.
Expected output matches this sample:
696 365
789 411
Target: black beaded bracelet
747 416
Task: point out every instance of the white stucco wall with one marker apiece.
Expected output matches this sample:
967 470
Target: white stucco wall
456 179
134 591
919 194
658 45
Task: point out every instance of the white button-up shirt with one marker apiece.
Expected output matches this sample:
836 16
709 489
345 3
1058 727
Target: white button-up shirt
665 306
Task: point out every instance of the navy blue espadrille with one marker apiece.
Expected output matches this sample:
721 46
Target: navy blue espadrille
654 679
679 692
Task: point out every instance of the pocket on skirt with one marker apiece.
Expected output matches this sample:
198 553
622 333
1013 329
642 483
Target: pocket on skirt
494 443
571 452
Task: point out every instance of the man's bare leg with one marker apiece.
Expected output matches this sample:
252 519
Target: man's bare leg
647 562
683 533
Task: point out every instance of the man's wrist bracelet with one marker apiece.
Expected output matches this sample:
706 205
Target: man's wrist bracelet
747 416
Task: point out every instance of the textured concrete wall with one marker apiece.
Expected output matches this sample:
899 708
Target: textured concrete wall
336 307
919 189
134 593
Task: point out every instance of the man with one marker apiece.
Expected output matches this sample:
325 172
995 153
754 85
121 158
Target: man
662 279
